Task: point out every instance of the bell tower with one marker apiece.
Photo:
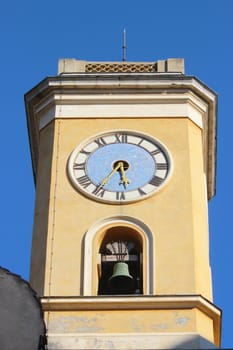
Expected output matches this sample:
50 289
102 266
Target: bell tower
123 156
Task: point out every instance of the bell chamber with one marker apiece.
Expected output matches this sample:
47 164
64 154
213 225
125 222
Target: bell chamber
120 268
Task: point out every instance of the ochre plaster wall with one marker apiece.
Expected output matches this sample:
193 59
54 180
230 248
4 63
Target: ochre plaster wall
124 323
177 215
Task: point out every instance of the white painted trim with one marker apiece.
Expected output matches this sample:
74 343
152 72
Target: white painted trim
138 302
155 105
113 221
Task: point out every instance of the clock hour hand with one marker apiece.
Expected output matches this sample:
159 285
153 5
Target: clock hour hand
124 179
107 178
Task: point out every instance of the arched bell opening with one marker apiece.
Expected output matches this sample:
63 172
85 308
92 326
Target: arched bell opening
120 267
117 228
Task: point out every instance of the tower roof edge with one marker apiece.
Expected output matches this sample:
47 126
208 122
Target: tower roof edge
71 65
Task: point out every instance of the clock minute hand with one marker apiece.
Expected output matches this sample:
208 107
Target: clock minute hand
106 179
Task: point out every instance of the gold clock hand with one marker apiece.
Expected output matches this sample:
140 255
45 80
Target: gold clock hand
124 179
106 179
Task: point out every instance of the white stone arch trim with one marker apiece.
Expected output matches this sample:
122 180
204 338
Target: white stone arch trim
98 226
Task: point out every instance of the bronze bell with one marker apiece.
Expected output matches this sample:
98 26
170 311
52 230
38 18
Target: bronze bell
121 282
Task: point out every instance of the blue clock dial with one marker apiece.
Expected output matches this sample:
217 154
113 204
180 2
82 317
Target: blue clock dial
138 161
119 167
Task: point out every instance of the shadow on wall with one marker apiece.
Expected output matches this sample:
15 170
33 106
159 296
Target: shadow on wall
21 321
194 342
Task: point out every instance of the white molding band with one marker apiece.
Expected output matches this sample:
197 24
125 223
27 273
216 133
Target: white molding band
121 106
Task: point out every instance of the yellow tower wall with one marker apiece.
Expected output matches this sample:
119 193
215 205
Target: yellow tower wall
175 309
177 215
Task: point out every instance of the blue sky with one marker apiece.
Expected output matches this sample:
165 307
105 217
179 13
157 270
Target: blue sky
34 35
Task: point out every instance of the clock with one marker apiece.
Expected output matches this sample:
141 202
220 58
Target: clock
119 167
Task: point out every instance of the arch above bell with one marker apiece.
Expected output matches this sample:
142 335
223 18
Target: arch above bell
94 237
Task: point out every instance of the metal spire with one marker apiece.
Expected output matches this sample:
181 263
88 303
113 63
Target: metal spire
124 46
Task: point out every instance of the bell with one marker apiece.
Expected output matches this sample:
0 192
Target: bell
121 282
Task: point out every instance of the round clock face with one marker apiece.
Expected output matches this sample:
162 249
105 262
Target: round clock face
119 167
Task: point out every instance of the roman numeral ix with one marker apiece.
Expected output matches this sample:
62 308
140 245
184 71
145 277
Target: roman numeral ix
79 166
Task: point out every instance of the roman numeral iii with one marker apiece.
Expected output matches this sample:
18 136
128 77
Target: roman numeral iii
156 181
